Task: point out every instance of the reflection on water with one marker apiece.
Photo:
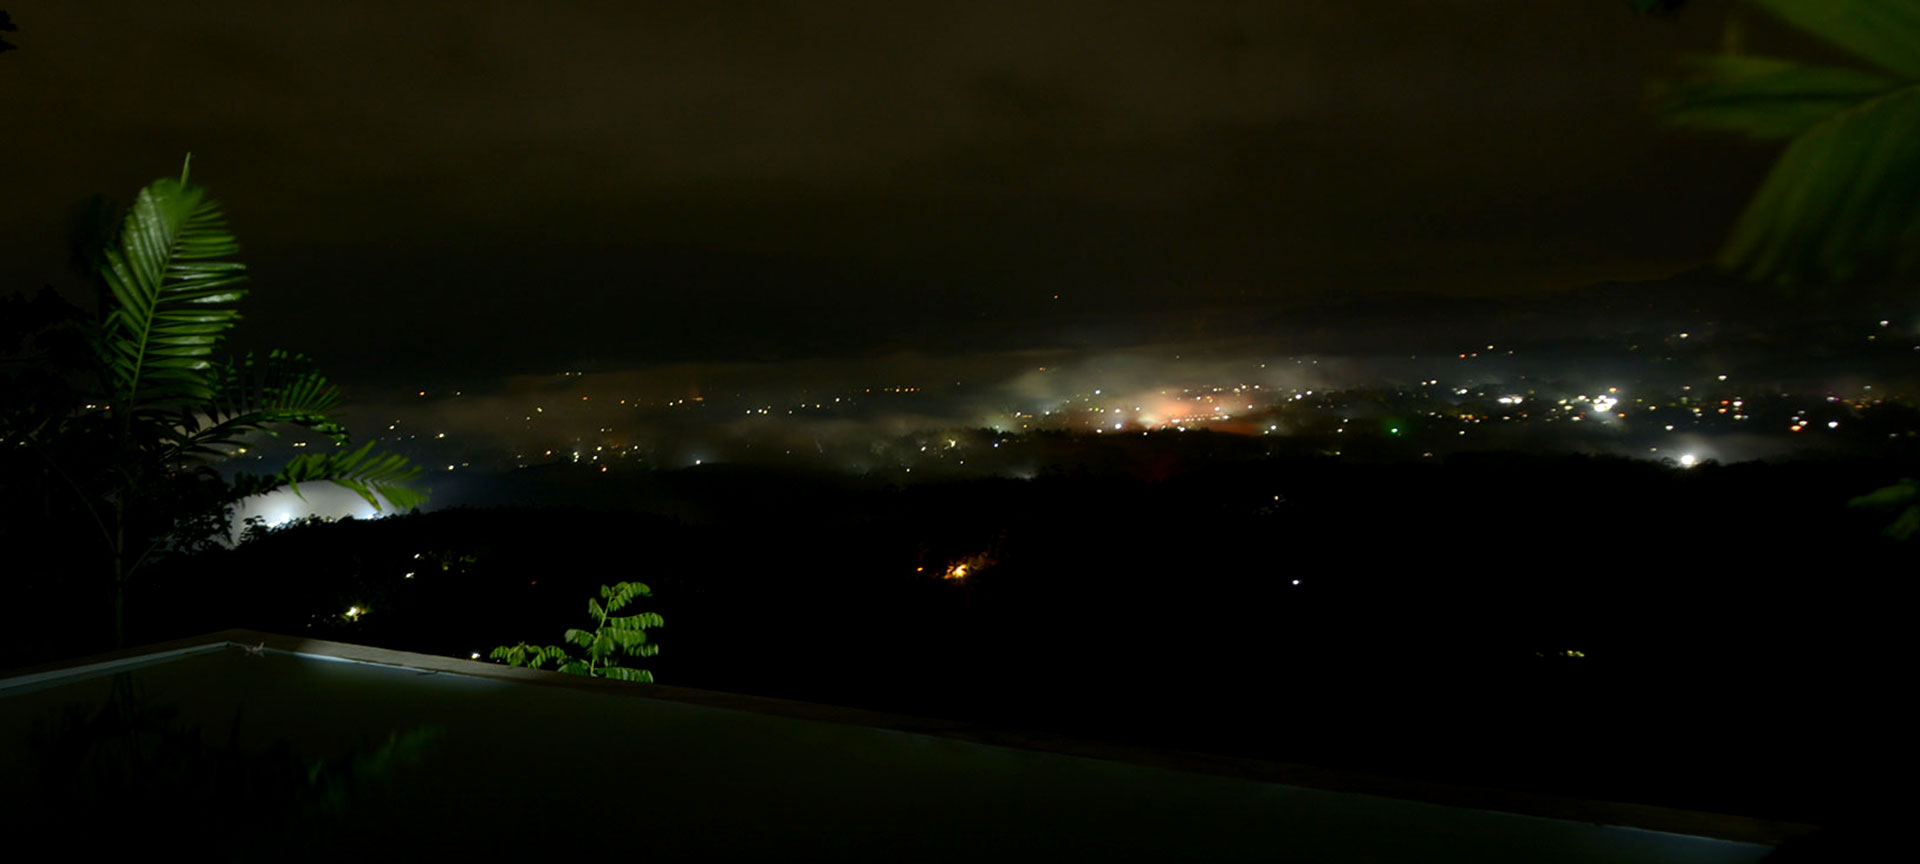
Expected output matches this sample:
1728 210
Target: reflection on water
133 764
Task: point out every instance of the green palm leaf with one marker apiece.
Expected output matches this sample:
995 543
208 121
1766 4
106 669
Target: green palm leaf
1842 204
253 395
1766 97
370 475
1884 32
172 286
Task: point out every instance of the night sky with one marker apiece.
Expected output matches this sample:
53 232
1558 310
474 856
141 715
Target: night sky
436 191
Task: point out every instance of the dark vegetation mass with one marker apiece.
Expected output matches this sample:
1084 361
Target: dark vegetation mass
1595 626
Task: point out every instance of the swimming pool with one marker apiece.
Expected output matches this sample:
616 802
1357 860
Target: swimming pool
479 759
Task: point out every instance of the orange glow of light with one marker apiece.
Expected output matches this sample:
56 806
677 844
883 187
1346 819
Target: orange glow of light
967 567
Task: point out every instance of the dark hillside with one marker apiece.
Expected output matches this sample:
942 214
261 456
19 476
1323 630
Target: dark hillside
1719 637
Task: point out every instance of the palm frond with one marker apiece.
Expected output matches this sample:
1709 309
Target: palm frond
370 475
1884 32
172 285
1842 203
254 394
1765 97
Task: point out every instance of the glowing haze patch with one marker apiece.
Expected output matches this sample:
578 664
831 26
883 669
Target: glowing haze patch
323 500
1168 408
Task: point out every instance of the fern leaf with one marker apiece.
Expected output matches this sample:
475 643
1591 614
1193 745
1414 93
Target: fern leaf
640 621
623 593
628 639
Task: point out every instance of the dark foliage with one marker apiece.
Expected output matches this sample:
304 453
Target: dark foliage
1598 626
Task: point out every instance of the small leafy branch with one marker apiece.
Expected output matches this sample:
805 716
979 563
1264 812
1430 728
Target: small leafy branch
611 637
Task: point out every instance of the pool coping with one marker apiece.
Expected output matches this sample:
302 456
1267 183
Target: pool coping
1718 826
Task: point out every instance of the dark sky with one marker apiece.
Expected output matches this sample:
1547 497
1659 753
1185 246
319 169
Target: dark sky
442 188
